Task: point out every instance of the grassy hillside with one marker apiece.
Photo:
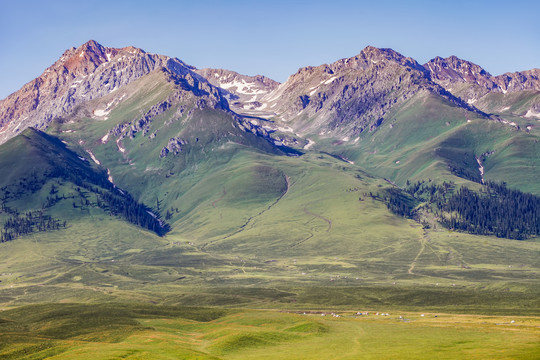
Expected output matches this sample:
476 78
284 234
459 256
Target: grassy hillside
49 186
430 139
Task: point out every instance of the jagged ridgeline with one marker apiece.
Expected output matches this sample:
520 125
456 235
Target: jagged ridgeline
44 185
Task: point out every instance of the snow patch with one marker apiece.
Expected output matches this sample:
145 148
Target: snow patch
122 150
242 87
82 54
480 168
309 144
101 113
506 108
93 157
105 138
108 56
531 113
329 81
285 129
110 177
347 160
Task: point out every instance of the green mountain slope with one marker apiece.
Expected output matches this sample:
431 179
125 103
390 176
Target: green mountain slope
429 138
282 225
47 182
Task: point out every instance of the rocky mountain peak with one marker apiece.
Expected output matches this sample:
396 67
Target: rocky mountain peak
471 82
81 74
453 69
86 58
384 55
351 95
519 81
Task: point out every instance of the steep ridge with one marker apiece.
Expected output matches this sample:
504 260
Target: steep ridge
163 134
455 70
45 177
510 93
353 95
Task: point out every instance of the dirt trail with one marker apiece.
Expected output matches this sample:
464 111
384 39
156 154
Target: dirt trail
319 217
302 241
423 242
221 198
328 221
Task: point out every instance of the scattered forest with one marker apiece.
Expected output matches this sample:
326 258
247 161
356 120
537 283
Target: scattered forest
83 192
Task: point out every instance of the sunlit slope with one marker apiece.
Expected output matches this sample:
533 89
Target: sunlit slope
105 331
130 142
431 139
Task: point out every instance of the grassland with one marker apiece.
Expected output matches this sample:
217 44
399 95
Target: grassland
155 332
260 238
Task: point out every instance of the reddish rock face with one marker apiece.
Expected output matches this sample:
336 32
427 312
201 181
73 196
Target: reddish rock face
81 74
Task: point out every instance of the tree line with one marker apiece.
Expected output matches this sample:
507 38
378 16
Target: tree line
497 211
493 210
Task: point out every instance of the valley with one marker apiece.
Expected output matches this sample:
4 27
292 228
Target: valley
202 212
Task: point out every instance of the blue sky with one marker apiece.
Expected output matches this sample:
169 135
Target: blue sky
272 38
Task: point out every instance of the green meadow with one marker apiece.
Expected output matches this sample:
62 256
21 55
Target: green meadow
119 331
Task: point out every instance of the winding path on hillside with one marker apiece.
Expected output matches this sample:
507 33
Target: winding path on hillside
221 198
248 221
449 251
311 234
319 217
302 241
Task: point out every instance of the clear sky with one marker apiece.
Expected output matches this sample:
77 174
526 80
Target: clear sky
272 38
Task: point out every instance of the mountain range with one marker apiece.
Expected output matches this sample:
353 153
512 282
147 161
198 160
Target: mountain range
344 102
348 172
